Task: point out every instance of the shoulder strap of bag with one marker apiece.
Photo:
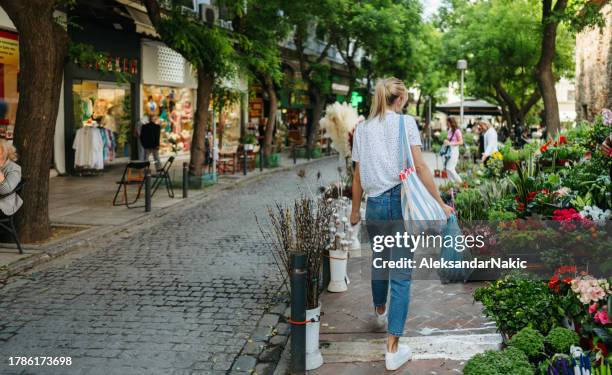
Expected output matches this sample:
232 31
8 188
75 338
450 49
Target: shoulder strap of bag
406 152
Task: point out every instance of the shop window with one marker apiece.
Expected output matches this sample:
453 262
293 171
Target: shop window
107 106
175 109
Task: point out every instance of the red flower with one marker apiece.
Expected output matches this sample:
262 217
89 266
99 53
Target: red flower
562 140
543 148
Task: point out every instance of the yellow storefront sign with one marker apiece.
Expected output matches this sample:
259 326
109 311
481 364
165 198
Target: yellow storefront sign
9 48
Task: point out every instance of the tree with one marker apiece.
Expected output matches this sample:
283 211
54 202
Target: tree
43 47
578 14
311 22
261 29
376 28
209 49
502 52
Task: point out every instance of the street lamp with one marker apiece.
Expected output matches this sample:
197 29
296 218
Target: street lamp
428 122
462 66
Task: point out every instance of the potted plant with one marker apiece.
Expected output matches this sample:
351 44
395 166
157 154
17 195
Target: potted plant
303 228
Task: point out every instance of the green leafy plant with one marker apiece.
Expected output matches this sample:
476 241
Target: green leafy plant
510 361
560 339
515 302
469 205
529 341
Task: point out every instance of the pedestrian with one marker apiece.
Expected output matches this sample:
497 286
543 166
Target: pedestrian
454 140
489 140
149 136
10 176
137 129
377 158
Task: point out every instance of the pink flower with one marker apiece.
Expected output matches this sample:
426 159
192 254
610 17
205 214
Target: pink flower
607 116
602 317
593 309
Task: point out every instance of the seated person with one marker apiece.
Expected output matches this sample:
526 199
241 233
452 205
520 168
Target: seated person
10 176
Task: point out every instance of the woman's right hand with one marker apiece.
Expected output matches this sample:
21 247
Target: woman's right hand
355 217
448 210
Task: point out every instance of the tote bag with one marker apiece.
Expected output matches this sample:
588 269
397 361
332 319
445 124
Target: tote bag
419 208
450 253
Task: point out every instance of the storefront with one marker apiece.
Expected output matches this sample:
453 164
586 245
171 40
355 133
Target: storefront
168 92
9 70
102 99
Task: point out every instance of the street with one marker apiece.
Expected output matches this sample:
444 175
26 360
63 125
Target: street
181 296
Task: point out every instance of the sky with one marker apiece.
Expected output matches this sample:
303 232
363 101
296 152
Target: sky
430 6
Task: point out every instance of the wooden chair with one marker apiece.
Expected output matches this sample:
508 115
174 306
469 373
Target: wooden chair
6 221
163 175
133 175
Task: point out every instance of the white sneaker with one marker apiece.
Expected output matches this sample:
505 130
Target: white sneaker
381 319
393 361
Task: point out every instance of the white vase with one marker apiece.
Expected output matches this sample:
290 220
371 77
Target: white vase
354 237
337 265
314 359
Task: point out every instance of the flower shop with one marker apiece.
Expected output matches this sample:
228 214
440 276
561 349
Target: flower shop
552 203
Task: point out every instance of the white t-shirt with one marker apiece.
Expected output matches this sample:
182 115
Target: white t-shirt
376 146
490 142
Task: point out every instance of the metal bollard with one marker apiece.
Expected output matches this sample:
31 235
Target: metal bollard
326 270
261 158
294 154
185 179
244 164
298 313
328 147
147 190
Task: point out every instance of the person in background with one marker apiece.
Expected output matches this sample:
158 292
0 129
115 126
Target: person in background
454 140
149 136
137 129
490 140
10 176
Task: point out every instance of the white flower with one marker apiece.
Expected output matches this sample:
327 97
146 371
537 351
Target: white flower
339 122
596 214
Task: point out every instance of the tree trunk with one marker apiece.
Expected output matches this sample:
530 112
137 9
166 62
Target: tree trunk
317 110
206 80
273 103
43 47
544 68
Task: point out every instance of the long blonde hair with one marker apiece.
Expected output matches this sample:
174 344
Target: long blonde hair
387 91
8 150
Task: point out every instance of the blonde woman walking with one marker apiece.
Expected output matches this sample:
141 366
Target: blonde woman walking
378 162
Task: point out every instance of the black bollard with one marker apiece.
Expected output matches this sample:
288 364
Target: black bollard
244 164
326 270
298 313
261 158
147 190
293 150
185 179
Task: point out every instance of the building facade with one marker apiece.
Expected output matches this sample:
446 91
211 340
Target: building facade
594 69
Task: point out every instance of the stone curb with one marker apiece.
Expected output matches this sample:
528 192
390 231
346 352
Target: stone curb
262 352
89 236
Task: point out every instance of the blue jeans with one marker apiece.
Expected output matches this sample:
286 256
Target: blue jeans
384 217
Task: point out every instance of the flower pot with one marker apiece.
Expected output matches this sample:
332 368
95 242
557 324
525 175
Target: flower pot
338 260
436 173
314 359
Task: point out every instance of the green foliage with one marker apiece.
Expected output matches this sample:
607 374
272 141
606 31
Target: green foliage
510 361
487 32
515 303
529 341
224 97
468 204
560 339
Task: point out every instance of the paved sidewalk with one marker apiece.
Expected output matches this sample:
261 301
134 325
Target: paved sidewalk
81 207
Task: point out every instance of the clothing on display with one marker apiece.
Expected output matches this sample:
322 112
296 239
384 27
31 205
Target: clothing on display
89 148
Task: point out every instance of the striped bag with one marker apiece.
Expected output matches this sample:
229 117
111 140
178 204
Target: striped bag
420 210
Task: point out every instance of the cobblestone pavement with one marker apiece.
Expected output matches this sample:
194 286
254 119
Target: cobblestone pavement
179 297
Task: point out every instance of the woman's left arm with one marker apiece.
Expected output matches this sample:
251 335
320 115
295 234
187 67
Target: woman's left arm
427 178
10 181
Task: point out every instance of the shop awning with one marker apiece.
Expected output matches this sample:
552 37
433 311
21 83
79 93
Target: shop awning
470 107
141 19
